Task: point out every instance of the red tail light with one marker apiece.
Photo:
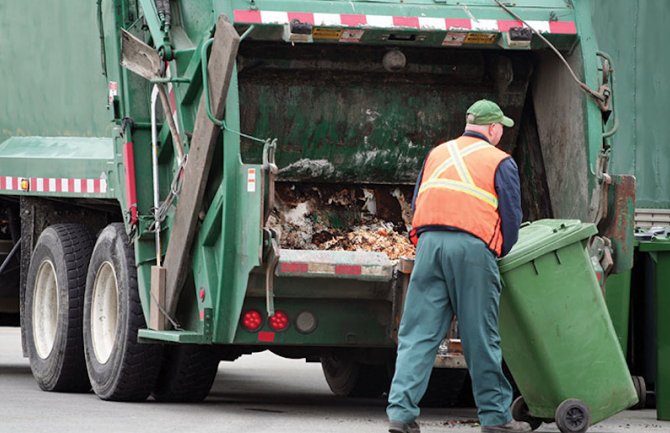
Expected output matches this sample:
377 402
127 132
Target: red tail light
279 321
252 320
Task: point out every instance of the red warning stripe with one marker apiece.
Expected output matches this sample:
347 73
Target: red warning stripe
266 337
348 270
389 21
57 185
294 268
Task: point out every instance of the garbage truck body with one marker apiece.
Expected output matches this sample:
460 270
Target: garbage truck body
155 156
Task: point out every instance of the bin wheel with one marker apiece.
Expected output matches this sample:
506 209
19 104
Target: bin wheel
520 412
641 390
572 416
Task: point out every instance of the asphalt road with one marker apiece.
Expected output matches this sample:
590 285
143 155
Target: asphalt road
258 393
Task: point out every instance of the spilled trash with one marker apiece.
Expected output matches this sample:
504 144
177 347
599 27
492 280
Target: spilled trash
337 218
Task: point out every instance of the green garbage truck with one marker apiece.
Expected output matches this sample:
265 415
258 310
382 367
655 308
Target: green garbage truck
178 179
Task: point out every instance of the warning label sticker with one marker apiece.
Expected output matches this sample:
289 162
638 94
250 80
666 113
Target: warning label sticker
454 39
326 33
352 35
251 180
481 38
113 91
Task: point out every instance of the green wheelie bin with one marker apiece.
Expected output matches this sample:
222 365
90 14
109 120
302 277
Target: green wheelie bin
556 335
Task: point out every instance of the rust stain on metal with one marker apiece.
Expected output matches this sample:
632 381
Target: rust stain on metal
619 224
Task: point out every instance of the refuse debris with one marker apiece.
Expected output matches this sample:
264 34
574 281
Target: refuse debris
377 238
336 218
452 423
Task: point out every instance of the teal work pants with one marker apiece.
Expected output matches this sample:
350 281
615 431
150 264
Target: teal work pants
454 273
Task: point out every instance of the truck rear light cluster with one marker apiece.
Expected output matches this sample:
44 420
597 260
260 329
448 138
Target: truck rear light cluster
252 320
278 321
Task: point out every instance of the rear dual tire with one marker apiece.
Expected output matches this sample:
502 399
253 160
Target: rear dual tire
55 285
187 373
83 313
119 367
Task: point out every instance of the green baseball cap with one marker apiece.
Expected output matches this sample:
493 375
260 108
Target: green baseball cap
485 112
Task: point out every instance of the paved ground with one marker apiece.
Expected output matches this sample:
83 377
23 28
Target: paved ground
259 393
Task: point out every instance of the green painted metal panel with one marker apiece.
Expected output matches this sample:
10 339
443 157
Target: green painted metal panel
633 32
87 165
52 82
340 322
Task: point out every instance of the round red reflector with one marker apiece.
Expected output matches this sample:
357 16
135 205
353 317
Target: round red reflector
279 321
252 320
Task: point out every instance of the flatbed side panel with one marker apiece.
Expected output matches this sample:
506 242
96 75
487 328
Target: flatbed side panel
57 166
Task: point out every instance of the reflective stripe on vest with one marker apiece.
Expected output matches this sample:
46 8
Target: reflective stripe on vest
466 184
458 190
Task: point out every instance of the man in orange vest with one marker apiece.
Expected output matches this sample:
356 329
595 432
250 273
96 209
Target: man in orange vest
467 212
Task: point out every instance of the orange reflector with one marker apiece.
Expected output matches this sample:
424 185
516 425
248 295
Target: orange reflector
25 185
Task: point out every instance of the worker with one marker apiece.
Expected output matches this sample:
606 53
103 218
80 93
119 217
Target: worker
467 212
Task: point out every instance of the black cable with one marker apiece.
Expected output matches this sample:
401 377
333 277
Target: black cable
597 96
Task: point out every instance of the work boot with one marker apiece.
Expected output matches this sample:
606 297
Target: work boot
510 427
401 427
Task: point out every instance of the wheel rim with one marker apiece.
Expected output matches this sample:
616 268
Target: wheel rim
104 312
575 418
45 309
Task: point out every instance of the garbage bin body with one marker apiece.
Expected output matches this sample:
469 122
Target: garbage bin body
659 250
556 334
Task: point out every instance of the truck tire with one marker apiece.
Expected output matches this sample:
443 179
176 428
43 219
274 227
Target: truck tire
187 373
348 378
54 299
119 367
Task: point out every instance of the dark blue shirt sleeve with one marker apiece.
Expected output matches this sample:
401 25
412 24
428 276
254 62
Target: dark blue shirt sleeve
417 186
509 202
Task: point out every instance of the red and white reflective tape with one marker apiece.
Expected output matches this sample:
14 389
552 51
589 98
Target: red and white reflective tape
390 22
56 185
327 269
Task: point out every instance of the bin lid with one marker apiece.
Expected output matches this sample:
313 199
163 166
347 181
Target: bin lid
543 236
653 239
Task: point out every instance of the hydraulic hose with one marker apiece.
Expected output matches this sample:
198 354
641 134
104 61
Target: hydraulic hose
164 12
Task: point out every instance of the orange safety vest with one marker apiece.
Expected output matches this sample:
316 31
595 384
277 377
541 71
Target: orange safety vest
458 190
